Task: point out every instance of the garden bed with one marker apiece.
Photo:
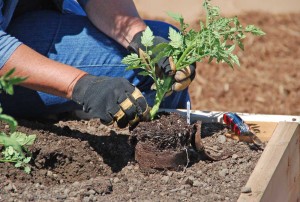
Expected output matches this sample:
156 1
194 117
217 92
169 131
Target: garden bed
85 160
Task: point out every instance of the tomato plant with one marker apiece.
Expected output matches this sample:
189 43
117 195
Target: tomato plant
14 144
216 40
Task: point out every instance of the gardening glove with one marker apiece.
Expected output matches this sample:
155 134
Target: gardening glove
166 65
111 99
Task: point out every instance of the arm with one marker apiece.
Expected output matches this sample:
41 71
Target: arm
118 19
43 74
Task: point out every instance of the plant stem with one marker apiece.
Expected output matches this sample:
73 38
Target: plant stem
183 56
160 93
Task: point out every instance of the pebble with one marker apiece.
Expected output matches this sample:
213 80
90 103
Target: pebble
189 180
246 189
221 139
197 183
165 179
116 180
49 173
76 184
235 156
91 192
131 189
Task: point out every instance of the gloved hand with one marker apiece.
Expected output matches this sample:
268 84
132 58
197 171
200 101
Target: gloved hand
183 77
111 99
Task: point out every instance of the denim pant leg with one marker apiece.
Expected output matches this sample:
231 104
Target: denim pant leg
73 40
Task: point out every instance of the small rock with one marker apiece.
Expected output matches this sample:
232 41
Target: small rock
116 180
76 184
246 190
221 139
49 173
131 189
235 156
189 180
165 179
61 197
199 172
91 192
174 190
197 183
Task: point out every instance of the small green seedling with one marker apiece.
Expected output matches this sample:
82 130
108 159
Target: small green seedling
216 40
13 146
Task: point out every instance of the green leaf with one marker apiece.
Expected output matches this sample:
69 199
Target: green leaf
27 169
132 60
23 139
147 37
27 159
9 73
231 48
235 59
10 150
176 38
18 164
254 30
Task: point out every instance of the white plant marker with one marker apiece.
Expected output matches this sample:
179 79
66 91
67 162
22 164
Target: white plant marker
188 112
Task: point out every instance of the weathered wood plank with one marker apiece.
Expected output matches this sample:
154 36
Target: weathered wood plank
276 176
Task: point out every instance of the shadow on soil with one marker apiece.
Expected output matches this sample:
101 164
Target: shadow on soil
115 149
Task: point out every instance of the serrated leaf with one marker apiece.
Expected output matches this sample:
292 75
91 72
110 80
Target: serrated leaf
147 37
231 48
18 164
10 150
176 38
26 160
132 60
235 59
27 169
254 30
240 44
23 139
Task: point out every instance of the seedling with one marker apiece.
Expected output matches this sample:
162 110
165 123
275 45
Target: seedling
14 145
216 40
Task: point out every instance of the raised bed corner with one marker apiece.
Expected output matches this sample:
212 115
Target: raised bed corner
276 176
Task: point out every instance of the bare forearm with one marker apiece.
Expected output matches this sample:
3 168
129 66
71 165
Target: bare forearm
42 73
118 19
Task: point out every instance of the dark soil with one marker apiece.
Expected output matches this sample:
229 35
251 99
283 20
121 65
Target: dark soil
87 161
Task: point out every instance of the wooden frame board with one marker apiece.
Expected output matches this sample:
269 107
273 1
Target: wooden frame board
276 177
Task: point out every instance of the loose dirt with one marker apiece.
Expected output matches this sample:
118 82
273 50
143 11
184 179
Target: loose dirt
87 161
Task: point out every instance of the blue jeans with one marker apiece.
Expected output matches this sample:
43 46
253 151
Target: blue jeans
73 40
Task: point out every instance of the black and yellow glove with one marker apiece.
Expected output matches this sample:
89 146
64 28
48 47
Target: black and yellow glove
111 99
182 77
